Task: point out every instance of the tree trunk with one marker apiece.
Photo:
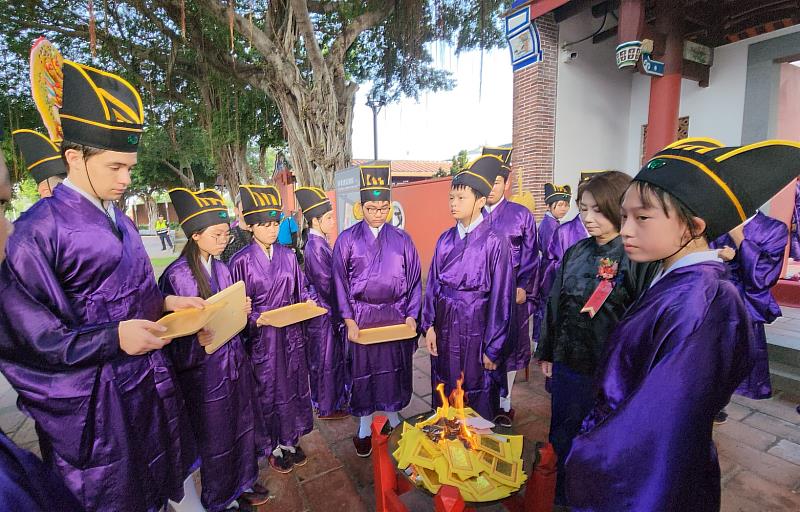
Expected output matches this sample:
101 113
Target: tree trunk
233 167
152 210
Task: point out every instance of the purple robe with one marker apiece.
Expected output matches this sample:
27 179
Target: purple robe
220 394
669 367
754 271
325 335
378 283
27 485
516 223
278 353
468 301
794 248
115 426
547 227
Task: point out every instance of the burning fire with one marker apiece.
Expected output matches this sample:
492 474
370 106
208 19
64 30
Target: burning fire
444 426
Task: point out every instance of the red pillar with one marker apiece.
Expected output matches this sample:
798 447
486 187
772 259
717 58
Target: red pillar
665 91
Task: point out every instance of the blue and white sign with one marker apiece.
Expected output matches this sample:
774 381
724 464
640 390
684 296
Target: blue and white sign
652 67
523 39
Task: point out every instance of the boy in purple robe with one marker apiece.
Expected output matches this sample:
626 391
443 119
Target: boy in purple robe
273 279
26 484
376 274
753 253
78 339
219 388
43 159
684 346
470 296
325 337
557 199
514 222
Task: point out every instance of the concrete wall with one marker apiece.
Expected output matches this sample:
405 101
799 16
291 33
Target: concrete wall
593 104
601 110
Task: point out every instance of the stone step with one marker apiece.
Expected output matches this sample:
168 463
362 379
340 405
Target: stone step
785 377
784 355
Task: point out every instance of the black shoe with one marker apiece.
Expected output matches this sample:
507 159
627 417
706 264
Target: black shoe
505 418
721 417
298 457
363 446
281 464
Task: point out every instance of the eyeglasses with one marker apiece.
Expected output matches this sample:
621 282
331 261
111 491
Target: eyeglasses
224 237
375 211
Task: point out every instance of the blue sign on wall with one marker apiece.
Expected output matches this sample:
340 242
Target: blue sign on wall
523 38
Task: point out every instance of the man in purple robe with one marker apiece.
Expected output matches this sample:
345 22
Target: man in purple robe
684 346
518 226
78 301
325 336
754 255
376 274
26 484
469 298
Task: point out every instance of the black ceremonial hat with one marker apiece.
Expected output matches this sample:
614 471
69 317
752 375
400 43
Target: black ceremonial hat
504 154
100 109
375 182
313 202
723 185
587 175
42 156
260 203
198 210
480 174
555 193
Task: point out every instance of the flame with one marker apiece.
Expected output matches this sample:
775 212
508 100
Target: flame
445 408
457 399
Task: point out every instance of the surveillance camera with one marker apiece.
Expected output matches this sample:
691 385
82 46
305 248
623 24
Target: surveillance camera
568 55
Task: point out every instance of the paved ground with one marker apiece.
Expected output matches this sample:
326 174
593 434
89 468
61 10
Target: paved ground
759 451
759 448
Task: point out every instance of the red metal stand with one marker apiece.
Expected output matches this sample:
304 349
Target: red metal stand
539 493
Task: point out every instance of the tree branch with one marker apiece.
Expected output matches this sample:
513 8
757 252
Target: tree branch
310 39
184 179
354 29
321 7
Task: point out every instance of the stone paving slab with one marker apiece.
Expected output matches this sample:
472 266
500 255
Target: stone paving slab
759 452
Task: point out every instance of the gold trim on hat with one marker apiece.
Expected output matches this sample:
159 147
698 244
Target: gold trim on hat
757 145
101 125
713 176
43 160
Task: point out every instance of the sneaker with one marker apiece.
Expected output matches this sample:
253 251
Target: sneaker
298 457
363 446
338 415
504 419
281 464
720 418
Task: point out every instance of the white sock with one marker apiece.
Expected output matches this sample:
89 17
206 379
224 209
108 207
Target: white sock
394 419
365 426
277 452
505 403
289 449
190 501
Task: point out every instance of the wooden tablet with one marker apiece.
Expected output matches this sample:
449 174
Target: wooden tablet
231 319
293 314
187 321
383 334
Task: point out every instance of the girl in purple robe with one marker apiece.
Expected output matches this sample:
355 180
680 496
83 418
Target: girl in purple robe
78 338
470 296
518 226
273 280
376 273
573 338
325 337
753 254
219 388
684 346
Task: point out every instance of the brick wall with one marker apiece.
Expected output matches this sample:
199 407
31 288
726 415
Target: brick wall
534 124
